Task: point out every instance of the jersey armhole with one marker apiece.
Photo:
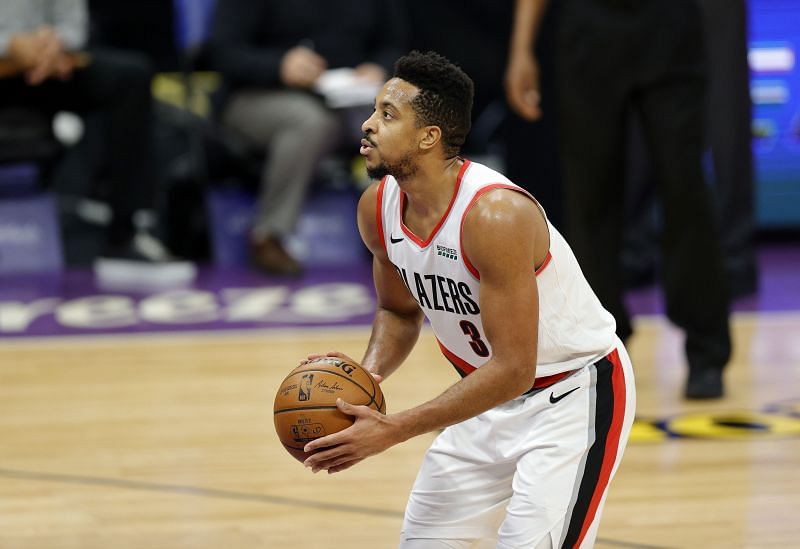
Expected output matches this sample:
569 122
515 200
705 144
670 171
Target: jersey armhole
467 263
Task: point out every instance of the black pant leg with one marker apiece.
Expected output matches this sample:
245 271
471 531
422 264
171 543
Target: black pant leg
729 136
593 90
116 85
672 113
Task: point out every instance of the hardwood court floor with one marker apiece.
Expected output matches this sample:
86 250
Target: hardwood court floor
167 442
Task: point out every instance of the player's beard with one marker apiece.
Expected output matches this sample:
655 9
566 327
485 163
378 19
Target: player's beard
402 169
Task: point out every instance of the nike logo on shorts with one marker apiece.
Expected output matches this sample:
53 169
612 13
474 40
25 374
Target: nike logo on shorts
554 398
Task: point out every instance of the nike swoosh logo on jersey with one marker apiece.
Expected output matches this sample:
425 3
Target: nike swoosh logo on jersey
395 240
554 398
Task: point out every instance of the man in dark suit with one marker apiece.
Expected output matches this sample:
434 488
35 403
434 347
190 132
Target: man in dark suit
614 57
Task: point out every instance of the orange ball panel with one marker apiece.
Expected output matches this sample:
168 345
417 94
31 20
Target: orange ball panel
296 428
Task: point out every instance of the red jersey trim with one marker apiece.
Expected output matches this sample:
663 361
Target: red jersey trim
545 262
379 213
467 263
460 364
414 238
547 381
465 369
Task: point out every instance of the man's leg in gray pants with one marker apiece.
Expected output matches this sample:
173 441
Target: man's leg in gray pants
296 130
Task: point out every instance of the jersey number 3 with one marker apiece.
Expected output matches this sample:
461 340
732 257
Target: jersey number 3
475 340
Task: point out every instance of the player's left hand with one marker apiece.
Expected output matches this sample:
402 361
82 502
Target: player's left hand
341 356
371 434
333 354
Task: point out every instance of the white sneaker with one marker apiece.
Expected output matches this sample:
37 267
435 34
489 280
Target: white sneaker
144 263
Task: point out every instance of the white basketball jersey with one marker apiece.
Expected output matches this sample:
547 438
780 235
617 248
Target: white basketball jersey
574 328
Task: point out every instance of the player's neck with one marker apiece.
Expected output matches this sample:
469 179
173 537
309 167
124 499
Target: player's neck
430 190
429 193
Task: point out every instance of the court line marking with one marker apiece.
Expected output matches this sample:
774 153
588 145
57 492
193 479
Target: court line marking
84 480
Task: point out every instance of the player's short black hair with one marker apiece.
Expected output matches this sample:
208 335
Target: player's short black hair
444 98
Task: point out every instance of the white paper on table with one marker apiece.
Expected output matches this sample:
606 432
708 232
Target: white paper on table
343 88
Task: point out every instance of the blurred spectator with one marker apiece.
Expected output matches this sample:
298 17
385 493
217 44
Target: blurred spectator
185 142
46 66
647 56
271 54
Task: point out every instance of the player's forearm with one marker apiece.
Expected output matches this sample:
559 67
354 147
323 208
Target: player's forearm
490 385
393 337
528 16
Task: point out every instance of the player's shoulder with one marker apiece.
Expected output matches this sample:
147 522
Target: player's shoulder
497 207
368 202
499 212
370 195
368 218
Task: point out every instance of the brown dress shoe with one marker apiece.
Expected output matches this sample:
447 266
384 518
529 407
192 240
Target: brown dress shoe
269 256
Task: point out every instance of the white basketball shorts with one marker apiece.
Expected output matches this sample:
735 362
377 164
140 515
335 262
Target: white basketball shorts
535 467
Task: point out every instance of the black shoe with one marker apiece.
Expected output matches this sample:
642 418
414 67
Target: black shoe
704 384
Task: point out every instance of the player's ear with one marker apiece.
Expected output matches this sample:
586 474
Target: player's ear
431 135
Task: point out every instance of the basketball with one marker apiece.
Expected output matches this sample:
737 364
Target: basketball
305 406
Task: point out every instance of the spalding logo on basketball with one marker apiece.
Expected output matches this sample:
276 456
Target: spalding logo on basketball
305 406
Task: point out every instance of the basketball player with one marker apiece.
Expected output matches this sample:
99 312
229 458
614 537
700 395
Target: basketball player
535 429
